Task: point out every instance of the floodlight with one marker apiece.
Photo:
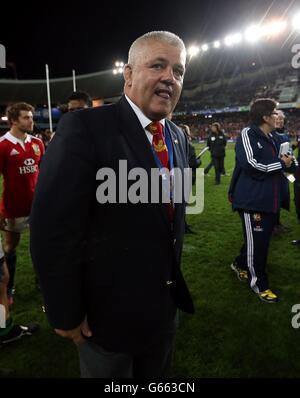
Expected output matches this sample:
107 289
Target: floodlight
233 39
193 50
228 40
119 67
253 33
296 21
274 28
237 38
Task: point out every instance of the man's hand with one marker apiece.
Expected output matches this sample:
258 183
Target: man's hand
288 160
76 334
294 144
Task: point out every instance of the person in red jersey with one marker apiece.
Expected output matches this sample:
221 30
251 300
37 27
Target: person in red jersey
20 157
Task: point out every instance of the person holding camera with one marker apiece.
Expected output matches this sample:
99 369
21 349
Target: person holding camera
283 137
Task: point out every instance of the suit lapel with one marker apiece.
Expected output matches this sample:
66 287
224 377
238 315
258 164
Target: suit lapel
139 144
135 135
175 146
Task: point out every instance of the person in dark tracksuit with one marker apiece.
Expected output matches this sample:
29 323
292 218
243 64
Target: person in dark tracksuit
194 163
208 167
297 190
255 193
217 143
297 184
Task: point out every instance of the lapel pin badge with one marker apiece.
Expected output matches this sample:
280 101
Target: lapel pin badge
175 141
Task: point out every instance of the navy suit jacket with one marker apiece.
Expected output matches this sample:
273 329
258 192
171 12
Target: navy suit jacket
119 264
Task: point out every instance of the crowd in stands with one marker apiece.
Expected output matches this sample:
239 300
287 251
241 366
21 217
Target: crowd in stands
226 92
232 124
272 82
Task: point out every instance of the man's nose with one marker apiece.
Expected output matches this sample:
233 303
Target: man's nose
168 75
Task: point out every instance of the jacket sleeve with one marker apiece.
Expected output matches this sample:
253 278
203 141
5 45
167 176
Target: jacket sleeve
193 161
235 176
59 221
209 142
247 153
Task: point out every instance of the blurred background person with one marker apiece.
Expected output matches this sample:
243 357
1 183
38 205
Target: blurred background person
296 146
217 143
297 189
194 163
283 136
9 331
79 100
20 157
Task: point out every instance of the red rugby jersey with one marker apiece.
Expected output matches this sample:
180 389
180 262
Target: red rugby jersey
19 165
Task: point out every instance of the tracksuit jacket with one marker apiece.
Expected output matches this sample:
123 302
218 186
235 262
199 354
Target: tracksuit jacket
256 180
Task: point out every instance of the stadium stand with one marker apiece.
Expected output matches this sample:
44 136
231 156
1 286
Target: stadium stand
275 81
219 86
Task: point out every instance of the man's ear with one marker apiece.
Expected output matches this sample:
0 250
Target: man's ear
127 73
264 118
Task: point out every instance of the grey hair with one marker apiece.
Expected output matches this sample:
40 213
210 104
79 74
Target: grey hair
159 35
280 111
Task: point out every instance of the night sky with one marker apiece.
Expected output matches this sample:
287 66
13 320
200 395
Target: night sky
90 38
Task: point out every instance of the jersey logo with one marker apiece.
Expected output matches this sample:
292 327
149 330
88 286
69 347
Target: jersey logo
259 145
36 149
14 152
29 162
29 168
258 228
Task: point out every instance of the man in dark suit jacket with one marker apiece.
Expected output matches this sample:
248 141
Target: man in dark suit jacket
110 272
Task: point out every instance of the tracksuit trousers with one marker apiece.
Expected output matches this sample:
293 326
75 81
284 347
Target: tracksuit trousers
257 229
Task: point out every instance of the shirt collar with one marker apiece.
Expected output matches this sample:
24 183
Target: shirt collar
16 140
260 132
144 120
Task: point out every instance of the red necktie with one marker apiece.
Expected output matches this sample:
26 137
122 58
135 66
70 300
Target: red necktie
158 143
161 150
